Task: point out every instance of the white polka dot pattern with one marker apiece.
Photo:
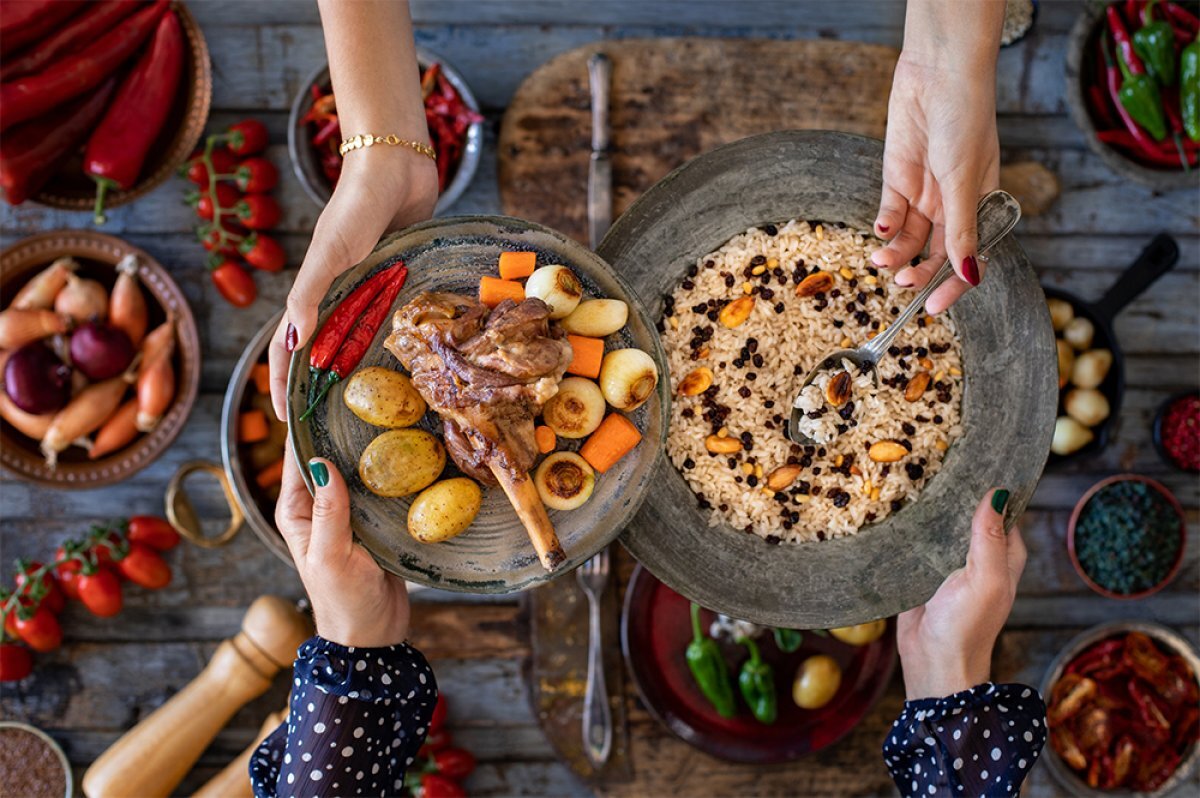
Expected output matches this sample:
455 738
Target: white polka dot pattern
958 746
363 711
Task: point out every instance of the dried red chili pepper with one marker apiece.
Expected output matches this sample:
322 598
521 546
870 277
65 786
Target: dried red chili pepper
1148 710
1098 656
1143 657
1069 697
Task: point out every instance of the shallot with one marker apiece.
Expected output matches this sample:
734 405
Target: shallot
36 380
19 326
83 415
28 424
39 293
155 390
100 350
127 305
117 432
82 299
160 338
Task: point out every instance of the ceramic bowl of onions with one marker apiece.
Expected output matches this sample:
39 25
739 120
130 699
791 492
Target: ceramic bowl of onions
99 359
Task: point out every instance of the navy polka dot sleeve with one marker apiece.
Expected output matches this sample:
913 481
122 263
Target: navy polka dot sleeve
982 741
356 719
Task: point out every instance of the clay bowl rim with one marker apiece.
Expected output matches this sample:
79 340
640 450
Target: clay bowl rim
197 72
1075 646
108 250
1081 37
1156 429
1164 491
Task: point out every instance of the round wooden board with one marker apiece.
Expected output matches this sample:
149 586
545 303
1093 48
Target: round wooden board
673 99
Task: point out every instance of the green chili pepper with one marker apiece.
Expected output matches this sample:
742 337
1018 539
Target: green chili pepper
1155 43
788 640
708 669
1139 96
757 683
1189 89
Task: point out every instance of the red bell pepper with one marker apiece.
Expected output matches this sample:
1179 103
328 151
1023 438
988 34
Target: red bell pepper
25 21
97 19
31 153
31 96
116 151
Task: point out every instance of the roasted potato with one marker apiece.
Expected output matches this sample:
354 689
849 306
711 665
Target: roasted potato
444 509
401 461
383 397
861 634
817 682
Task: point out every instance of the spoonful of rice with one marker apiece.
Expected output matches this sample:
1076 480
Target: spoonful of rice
844 373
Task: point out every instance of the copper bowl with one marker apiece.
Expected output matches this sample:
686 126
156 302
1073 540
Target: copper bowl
70 189
98 255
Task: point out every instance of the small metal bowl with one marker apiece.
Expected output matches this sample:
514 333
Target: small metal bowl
304 158
1087 497
68 776
1066 778
1157 431
263 526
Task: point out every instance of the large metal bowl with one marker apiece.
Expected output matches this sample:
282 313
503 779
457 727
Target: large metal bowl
494 555
1009 398
1066 777
304 158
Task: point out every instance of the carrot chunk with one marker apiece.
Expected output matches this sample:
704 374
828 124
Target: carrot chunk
613 439
271 475
586 356
253 427
261 374
493 291
517 265
546 439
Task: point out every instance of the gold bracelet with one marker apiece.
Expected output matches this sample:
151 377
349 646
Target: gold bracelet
361 140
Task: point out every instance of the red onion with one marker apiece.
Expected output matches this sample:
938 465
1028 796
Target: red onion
100 351
36 380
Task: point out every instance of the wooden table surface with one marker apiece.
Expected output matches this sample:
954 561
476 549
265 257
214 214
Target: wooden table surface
113 672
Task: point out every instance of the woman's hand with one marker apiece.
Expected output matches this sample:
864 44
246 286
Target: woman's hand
942 152
381 189
356 603
946 645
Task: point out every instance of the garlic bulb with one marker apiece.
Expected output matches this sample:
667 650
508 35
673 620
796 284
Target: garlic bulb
576 410
565 481
627 378
558 287
597 318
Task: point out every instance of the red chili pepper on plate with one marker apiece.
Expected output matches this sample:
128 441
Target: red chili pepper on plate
32 152
335 329
234 283
97 19
256 175
25 21
117 150
246 137
258 211
360 336
32 95
262 252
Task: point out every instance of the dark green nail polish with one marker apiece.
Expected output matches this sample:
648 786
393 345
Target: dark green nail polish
1000 501
320 474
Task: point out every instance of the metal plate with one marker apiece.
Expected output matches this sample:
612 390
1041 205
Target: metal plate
494 555
1009 397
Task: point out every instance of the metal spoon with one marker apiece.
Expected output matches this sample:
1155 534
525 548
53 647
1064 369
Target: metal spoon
998 214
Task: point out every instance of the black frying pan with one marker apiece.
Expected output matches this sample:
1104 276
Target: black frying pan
1159 256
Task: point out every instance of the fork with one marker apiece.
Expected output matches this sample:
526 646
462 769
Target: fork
597 718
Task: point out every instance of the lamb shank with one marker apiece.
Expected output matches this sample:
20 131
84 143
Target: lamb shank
487 373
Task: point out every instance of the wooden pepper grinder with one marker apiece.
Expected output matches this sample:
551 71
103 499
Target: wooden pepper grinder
153 757
234 780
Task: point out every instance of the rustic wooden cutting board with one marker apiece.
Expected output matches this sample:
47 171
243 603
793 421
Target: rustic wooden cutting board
673 99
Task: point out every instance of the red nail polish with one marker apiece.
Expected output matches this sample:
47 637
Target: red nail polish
290 340
883 228
970 270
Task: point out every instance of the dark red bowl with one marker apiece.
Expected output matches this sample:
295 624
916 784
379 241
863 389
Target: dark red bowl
1092 491
655 631
1157 432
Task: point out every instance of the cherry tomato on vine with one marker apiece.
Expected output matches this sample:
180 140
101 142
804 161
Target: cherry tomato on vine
100 592
234 283
15 662
438 720
210 239
10 621
52 596
256 175
435 786
262 252
454 763
67 573
41 630
107 549
227 198
247 137
152 531
143 566
436 740
197 171
258 211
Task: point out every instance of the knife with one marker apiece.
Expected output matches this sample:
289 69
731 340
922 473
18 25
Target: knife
600 171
